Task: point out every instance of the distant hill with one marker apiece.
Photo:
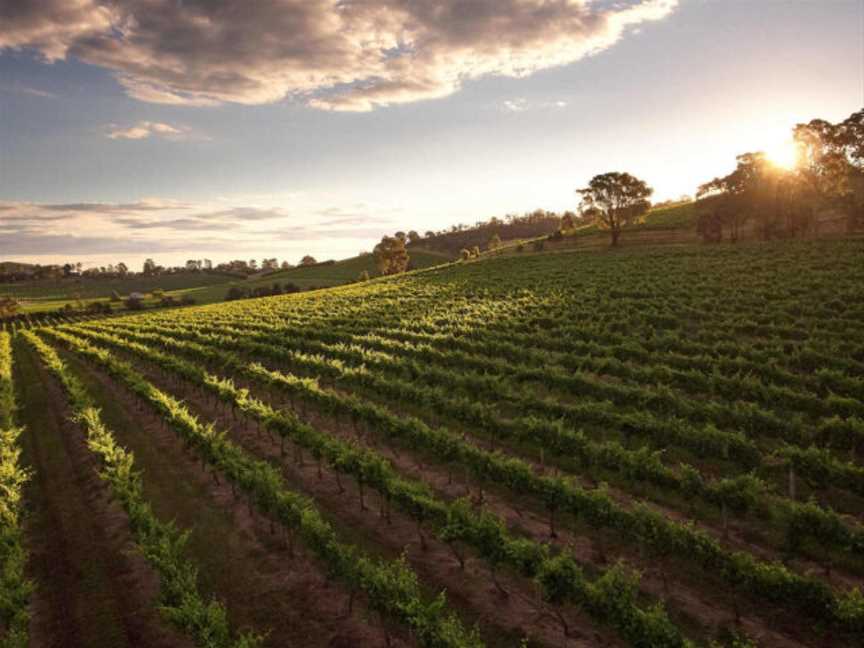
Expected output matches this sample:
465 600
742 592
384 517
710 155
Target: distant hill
452 242
336 273
9 267
662 225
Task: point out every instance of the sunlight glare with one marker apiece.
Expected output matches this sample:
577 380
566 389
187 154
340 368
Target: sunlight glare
783 154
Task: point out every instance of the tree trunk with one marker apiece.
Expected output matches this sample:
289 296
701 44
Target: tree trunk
616 234
459 556
422 537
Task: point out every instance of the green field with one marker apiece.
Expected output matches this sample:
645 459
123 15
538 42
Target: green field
663 446
203 287
45 295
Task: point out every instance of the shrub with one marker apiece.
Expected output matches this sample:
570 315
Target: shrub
134 304
236 292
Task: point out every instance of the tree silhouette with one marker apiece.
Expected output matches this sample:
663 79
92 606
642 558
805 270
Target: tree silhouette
616 200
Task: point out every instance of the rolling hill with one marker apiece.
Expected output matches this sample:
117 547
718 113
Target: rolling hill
657 447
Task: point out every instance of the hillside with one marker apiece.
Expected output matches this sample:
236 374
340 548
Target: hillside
52 294
664 225
347 271
671 433
203 287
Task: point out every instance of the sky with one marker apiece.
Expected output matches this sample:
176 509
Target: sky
178 129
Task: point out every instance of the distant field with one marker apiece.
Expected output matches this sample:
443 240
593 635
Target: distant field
657 447
348 270
203 287
53 294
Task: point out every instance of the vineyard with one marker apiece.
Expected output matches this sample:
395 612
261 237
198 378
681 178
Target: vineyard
656 447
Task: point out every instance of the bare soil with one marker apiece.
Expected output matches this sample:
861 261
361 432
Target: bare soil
93 588
242 563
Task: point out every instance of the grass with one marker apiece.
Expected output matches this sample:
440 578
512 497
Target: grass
677 217
349 270
53 294
204 288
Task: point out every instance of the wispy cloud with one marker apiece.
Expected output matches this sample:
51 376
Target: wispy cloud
348 55
169 226
523 105
515 105
26 90
145 129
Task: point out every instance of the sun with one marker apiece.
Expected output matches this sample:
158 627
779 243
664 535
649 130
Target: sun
783 154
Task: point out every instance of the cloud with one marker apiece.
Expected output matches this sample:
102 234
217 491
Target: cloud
352 55
25 90
169 226
523 105
145 129
51 27
515 105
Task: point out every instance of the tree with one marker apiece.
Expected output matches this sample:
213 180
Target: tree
619 200
494 242
391 256
149 267
413 237
831 164
402 236
756 189
8 306
122 269
308 260
364 276
568 222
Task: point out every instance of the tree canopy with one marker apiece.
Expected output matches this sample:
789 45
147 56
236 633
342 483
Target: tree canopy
615 201
391 256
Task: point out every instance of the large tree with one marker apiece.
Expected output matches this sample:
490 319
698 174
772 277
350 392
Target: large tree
616 200
759 190
831 164
391 255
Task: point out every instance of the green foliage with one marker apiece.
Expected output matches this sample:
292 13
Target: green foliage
392 588
160 542
15 588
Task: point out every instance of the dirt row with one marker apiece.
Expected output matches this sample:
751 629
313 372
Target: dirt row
740 533
503 620
93 588
266 582
693 600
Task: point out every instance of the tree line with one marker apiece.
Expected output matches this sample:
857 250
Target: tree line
828 176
